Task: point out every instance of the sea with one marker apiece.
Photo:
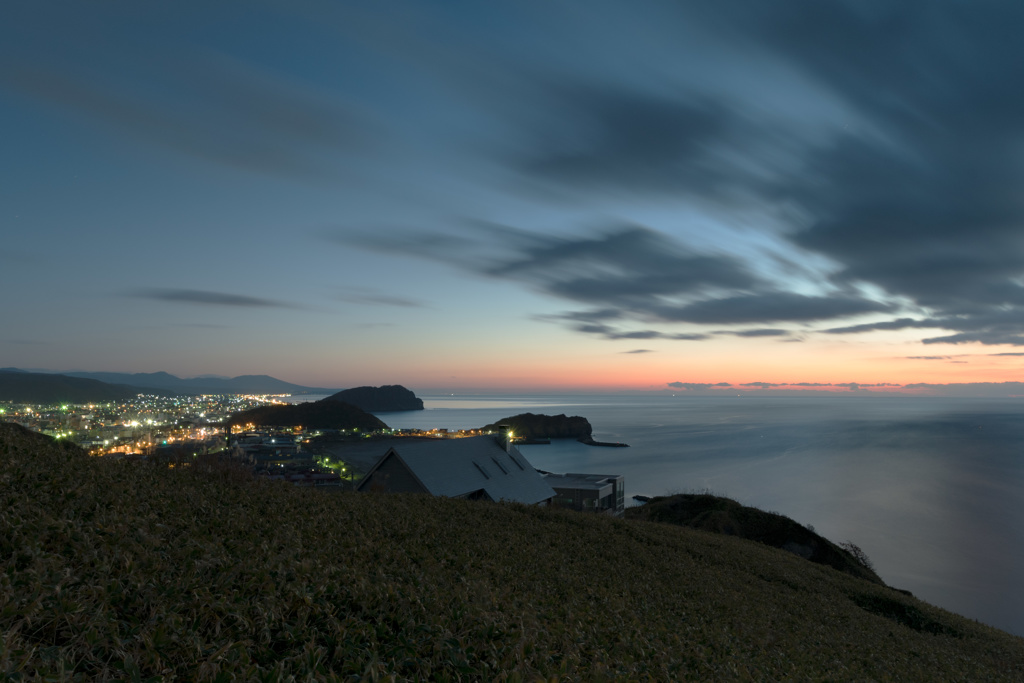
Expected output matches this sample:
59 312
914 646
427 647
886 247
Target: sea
932 489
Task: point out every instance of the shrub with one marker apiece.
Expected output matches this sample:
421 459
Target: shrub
858 555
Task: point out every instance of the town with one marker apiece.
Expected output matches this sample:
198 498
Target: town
185 431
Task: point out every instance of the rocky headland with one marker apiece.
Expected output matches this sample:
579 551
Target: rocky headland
389 398
536 428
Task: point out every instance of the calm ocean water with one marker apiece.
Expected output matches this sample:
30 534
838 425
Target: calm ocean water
931 488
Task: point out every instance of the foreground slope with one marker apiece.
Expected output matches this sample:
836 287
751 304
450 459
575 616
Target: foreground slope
113 569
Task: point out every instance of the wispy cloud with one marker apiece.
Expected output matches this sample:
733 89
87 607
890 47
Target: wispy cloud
763 332
208 298
975 389
369 297
693 386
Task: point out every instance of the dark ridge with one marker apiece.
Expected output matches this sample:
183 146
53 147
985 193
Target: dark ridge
390 398
724 516
243 384
39 387
11 432
324 414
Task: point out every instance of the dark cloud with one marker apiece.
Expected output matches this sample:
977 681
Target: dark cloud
212 107
639 351
928 357
626 273
763 332
603 138
609 332
373 298
767 307
978 389
1005 354
898 324
206 298
623 265
988 337
917 194
891 148
928 207
856 386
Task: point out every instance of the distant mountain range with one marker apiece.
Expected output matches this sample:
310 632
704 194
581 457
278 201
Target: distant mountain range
83 387
244 384
37 387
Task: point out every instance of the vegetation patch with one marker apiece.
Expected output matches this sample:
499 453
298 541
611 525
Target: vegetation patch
720 515
903 612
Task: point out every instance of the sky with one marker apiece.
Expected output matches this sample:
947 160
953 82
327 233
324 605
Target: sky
676 196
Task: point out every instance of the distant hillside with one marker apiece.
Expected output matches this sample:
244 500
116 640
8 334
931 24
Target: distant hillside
531 426
725 516
390 398
117 570
243 384
38 387
323 414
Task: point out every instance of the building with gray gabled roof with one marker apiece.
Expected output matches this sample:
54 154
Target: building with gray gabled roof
479 468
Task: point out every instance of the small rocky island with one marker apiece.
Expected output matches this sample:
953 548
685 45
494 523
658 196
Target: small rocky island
534 428
386 399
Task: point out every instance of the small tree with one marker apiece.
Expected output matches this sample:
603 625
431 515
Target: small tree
857 554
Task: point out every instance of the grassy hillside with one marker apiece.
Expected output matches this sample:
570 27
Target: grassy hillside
113 569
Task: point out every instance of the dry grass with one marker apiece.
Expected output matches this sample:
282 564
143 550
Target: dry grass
119 570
